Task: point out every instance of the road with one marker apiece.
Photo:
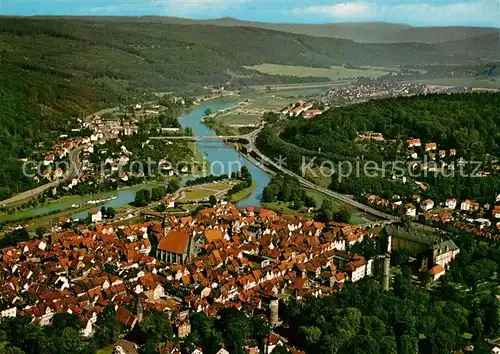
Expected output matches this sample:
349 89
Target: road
252 147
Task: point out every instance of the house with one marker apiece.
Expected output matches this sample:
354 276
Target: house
414 142
496 212
427 204
451 203
10 312
183 328
468 205
358 268
430 146
48 159
436 272
213 235
411 210
126 317
96 216
442 153
271 342
453 152
312 113
174 247
444 252
170 203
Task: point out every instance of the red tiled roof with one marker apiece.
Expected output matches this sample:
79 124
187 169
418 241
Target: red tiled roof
175 242
213 235
437 269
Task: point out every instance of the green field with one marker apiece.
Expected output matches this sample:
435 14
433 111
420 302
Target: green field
357 216
235 118
201 192
245 193
463 81
333 72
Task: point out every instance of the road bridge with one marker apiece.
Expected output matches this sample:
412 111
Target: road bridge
304 182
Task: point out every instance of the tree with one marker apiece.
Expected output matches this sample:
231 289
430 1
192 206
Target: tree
158 193
14 237
173 186
212 200
310 335
280 350
204 333
235 327
142 197
65 320
325 212
108 327
111 213
343 215
208 112
155 327
161 208
260 328
40 231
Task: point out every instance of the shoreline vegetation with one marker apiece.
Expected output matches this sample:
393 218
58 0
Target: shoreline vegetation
245 193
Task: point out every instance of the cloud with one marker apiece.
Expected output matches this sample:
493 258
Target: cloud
196 8
343 10
426 13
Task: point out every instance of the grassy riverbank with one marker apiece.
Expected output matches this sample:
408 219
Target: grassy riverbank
245 193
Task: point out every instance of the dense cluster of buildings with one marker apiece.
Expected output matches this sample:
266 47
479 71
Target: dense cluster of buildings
342 95
246 259
483 219
467 215
307 109
426 155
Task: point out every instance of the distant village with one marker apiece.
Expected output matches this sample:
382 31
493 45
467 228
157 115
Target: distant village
450 214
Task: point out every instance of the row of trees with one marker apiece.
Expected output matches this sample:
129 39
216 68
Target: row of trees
287 189
246 181
145 196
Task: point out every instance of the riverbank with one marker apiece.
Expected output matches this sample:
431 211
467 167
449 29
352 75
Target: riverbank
245 193
64 206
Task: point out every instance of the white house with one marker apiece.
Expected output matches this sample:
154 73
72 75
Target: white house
451 203
411 210
170 203
427 204
12 312
96 216
468 205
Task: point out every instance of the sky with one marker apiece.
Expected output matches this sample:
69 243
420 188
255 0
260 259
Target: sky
412 12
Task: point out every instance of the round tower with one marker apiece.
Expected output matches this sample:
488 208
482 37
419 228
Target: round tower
273 309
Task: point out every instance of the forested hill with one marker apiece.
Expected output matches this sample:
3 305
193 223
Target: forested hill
53 69
469 123
362 32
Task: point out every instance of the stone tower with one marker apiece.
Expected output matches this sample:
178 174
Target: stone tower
385 276
273 309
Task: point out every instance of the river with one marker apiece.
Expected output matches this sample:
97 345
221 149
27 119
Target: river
222 159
